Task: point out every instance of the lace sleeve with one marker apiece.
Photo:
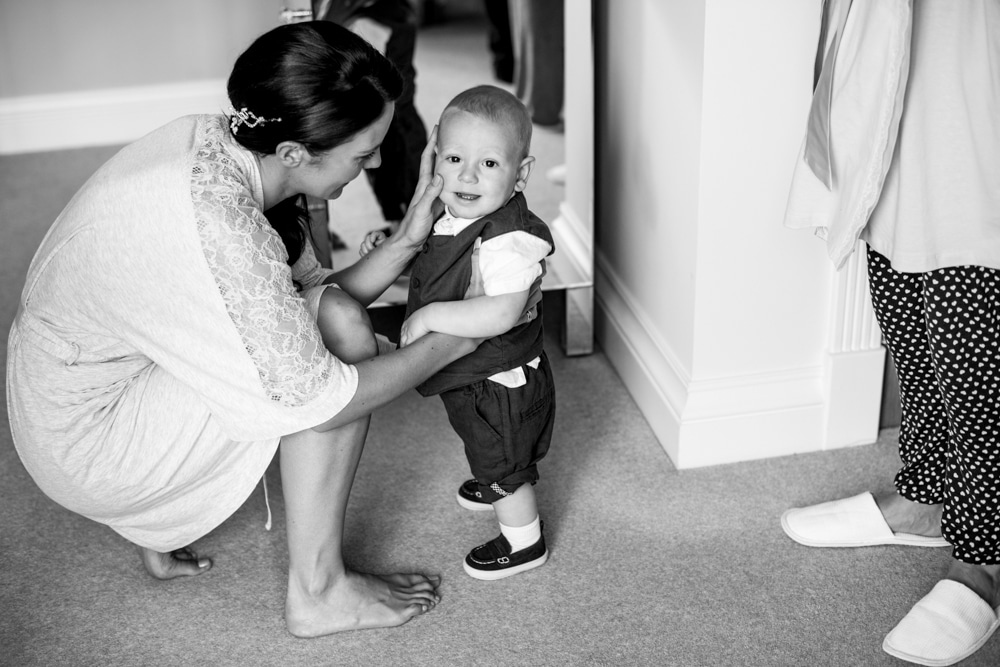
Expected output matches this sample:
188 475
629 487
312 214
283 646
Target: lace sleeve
249 265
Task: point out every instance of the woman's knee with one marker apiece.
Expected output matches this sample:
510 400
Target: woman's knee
345 327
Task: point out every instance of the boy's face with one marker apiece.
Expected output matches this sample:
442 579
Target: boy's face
480 163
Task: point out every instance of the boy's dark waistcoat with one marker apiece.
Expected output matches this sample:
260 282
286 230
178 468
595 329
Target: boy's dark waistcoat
442 271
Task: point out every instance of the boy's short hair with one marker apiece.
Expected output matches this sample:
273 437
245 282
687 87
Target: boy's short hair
498 106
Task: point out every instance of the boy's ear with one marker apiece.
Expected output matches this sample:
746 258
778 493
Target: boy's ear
523 172
291 153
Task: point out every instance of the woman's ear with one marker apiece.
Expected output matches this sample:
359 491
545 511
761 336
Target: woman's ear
523 172
291 154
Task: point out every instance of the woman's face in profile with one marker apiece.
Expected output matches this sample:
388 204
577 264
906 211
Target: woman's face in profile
326 176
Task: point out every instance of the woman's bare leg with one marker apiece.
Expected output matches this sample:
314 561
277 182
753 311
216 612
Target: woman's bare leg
180 563
317 472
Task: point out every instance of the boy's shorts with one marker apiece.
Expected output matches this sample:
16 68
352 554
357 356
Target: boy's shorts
506 431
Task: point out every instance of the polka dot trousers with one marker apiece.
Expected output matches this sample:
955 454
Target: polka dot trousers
942 329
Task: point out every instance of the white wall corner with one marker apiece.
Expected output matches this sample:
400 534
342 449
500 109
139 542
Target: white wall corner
702 422
705 422
101 117
853 388
647 367
854 364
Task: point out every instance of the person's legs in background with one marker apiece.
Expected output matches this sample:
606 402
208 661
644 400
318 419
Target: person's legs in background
962 306
394 182
941 327
898 299
501 46
538 36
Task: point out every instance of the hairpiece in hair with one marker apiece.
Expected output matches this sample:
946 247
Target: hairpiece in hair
246 117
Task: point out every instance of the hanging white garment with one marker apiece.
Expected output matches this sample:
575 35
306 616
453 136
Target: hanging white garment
864 52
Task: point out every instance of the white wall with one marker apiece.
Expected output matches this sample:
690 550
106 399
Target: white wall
579 96
98 72
757 89
715 316
60 46
649 110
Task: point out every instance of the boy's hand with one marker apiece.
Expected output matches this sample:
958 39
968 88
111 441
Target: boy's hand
414 327
372 241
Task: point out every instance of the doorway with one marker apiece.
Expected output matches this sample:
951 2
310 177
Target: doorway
452 53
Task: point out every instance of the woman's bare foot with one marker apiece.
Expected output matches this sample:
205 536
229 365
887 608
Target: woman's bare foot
357 601
178 563
906 516
983 580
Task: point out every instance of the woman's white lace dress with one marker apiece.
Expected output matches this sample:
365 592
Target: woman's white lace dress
161 348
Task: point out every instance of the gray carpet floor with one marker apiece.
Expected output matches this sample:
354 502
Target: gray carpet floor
649 565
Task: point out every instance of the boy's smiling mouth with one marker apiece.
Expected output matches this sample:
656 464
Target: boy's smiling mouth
467 197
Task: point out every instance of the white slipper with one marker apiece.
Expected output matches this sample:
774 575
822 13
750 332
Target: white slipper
947 625
849 522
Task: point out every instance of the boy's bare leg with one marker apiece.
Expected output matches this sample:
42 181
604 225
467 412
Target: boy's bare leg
519 508
324 597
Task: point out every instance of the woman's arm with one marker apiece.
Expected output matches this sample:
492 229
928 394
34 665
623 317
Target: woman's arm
383 378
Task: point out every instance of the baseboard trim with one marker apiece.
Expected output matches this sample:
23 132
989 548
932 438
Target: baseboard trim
101 117
705 422
659 394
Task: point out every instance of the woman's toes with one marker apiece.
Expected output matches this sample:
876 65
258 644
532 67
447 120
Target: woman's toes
178 563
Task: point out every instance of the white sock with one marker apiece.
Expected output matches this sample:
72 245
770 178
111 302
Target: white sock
522 537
